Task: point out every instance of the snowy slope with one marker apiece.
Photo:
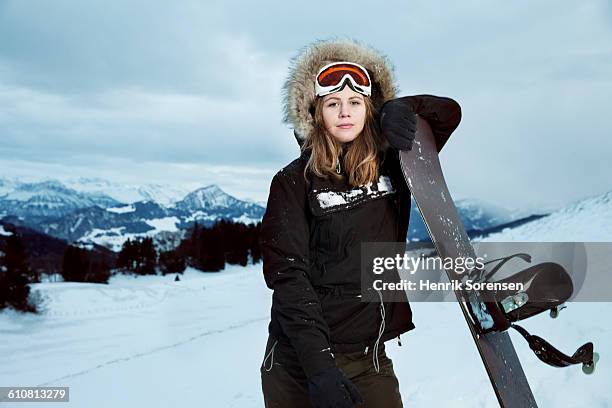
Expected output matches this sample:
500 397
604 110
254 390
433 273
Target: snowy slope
154 342
148 340
157 343
588 220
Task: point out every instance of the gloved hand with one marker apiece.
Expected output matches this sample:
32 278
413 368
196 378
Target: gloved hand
330 388
398 123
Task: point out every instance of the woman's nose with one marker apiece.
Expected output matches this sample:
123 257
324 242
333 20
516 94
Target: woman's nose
344 111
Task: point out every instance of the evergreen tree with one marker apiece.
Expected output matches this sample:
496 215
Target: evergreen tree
208 249
14 272
215 248
139 257
147 257
75 264
99 271
171 262
82 265
255 249
127 256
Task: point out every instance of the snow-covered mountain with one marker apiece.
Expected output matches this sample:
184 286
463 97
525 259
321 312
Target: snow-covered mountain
475 215
261 203
92 215
48 199
164 194
83 222
482 215
7 185
211 202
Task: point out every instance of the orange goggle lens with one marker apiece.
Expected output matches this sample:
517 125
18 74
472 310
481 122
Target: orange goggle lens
334 74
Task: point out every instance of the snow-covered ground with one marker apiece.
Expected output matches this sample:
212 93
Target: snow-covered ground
147 341
199 342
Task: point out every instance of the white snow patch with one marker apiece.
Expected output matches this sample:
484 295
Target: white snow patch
245 219
328 199
201 215
163 224
384 184
5 232
112 238
331 198
122 210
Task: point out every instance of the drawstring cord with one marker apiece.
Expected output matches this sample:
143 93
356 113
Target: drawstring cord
271 352
381 330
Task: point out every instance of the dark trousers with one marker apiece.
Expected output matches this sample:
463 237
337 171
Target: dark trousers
284 383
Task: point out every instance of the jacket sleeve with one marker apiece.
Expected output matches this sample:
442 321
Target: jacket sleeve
284 239
443 115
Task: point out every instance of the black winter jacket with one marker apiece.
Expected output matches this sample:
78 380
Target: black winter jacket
311 239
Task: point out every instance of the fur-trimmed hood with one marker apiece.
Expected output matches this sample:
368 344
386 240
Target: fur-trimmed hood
298 90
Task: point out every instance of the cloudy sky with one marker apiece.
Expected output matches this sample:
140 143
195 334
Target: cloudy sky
188 93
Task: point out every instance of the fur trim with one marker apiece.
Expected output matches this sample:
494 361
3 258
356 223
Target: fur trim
298 90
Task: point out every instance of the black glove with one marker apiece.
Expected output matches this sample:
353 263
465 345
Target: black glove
330 388
398 123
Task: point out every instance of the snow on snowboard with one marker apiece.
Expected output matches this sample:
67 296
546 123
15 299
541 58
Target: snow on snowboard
487 320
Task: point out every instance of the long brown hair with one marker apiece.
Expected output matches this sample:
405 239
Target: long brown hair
361 159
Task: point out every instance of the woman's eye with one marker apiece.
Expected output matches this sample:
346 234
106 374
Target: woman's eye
332 104
356 102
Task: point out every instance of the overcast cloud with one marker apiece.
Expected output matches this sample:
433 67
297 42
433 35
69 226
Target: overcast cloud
188 93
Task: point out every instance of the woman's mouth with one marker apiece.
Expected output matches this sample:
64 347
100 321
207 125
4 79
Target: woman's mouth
346 126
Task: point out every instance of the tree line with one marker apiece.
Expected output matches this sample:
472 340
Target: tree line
208 249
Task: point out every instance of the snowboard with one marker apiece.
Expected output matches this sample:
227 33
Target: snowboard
423 174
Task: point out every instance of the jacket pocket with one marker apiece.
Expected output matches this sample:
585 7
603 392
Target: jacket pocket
349 319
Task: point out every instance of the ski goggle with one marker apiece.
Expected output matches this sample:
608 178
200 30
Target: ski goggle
332 77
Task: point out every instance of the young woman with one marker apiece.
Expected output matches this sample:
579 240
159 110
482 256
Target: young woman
326 346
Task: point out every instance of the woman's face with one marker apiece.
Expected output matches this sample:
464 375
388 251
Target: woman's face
344 114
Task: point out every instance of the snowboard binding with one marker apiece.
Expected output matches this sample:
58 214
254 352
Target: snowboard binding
553 357
546 286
